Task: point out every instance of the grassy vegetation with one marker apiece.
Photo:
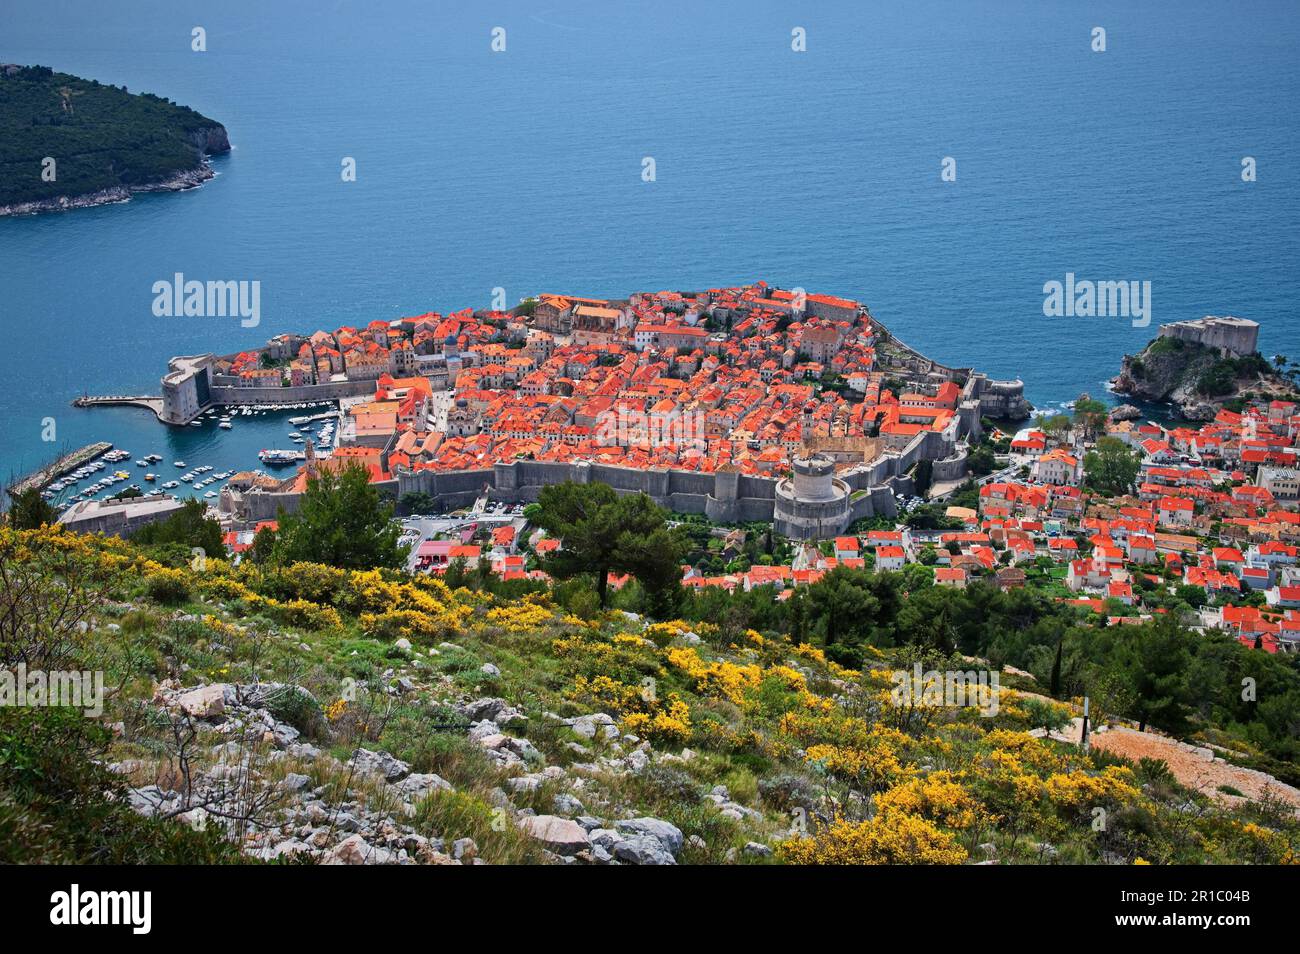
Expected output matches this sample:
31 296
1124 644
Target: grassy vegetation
818 760
1222 376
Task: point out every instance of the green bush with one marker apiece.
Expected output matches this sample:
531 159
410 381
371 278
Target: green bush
58 805
167 587
296 707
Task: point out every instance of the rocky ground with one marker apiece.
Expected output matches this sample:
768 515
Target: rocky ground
349 717
310 806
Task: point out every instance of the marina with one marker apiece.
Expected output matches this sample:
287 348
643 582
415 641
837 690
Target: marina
202 456
66 464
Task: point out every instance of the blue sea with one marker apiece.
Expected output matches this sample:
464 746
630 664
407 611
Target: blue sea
522 170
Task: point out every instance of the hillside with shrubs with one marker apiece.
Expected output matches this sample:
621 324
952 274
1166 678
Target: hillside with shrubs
309 714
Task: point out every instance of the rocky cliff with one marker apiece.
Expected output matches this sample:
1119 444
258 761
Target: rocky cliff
210 140
1196 379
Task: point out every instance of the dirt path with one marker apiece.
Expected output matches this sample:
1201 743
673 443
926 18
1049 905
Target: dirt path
1195 766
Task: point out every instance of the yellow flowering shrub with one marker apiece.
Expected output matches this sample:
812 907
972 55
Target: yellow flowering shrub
579 645
811 653
435 587
408 624
871 769
661 634
640 712
368 591
605 693
224 588
1029 751
588 653
670 724
722 679
164 585
519 617
937 797
1079 789
220 628
314 582
334 711
1256 844
898 838
305 614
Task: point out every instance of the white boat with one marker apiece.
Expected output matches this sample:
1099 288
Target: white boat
225 425
210 493
179 463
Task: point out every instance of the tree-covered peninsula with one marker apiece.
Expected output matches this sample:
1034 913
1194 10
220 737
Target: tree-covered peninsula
67 142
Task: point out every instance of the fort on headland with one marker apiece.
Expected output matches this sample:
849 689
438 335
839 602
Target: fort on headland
748 403
1235 337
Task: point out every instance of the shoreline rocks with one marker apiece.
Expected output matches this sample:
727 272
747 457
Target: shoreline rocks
177 182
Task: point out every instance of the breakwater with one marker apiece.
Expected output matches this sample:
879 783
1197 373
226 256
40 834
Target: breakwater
65 464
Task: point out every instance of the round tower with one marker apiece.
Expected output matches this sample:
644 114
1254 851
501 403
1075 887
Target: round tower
813 503
812 477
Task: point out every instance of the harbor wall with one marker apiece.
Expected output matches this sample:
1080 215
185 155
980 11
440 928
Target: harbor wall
66 464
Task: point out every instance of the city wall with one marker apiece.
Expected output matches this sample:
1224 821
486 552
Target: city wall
726 496
225 392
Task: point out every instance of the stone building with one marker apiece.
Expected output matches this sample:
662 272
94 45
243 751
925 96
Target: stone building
118 517
1235 337
463 420
187 388
814 503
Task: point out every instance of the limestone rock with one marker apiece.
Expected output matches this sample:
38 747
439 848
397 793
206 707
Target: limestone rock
666 833
205 702
380 763
598 723
561 835
413 788
355 850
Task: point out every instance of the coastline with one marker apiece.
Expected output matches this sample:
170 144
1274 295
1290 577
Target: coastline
1198 368
177 182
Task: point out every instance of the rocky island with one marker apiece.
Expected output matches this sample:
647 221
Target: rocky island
1203 365
68 143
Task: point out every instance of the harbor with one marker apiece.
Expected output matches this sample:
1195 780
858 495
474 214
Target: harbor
64 465
138 457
